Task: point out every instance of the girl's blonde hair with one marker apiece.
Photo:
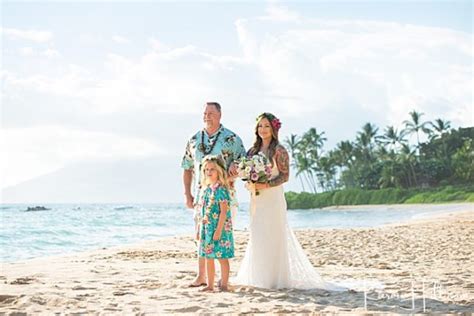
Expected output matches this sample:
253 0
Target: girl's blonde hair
221 170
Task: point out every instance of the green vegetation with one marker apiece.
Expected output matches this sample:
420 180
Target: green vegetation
305 200
385 168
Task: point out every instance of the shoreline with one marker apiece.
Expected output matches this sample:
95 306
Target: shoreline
397 205
432 217
152 276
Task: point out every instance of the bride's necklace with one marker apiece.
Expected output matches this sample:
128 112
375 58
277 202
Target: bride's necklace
205 149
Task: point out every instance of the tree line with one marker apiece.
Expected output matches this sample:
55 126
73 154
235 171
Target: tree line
385 159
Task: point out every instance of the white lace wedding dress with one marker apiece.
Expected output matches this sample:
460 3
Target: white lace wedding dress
274 258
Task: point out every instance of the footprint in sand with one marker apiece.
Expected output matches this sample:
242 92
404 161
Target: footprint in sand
7 299
161 298
83 288
122 293
38 300
244 289
262 300
190 309
23 281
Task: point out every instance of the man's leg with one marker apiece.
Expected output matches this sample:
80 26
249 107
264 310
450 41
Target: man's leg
201 275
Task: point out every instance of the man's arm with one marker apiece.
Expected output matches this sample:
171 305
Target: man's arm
238 151
187 180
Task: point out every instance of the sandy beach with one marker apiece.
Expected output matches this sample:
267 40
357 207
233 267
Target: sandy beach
152 277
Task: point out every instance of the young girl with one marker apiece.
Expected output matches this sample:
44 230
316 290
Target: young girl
216 240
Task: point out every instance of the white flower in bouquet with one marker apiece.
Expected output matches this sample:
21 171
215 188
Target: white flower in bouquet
255 169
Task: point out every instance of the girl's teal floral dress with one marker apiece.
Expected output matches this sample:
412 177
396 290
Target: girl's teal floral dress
224 247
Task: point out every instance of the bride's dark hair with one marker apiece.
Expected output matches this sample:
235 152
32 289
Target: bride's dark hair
275 125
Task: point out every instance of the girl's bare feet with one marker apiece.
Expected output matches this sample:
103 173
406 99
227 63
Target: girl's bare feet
198 282
224 288
207 289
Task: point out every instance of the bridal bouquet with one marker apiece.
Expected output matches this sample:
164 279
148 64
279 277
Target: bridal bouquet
255 169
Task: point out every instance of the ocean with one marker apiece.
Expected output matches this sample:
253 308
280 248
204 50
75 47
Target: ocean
68 228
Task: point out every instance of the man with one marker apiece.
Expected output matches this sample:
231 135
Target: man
214 139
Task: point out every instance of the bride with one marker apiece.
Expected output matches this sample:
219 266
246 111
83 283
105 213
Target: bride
274 258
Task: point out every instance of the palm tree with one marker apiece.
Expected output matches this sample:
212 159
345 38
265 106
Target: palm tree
346 149
327 173
304 169
440 126
415 125
392 137
310 147
292 145
315 141
344 157
367 137
407 158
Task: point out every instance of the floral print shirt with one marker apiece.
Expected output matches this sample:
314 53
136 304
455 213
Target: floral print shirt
227 144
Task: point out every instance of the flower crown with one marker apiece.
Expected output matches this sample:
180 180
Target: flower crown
276 124
216 159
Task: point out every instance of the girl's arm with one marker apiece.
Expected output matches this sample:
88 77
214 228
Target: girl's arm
223 207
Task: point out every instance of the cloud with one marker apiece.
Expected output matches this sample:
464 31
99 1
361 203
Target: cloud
279 13
164 79
31 52
39 150
73 82
332 74
311 70
29 35
355 65
51 53
120 39
26 51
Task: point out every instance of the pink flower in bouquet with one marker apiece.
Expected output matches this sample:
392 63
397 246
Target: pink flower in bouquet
268 170
254 176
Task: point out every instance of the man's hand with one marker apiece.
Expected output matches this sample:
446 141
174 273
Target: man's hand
189 201
187 180
233 170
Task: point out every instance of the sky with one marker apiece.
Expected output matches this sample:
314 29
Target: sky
88 82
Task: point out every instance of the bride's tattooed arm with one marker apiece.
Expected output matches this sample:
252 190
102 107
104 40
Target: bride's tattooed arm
283 163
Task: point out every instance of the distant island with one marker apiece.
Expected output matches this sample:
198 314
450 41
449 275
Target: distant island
37 208
385 168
